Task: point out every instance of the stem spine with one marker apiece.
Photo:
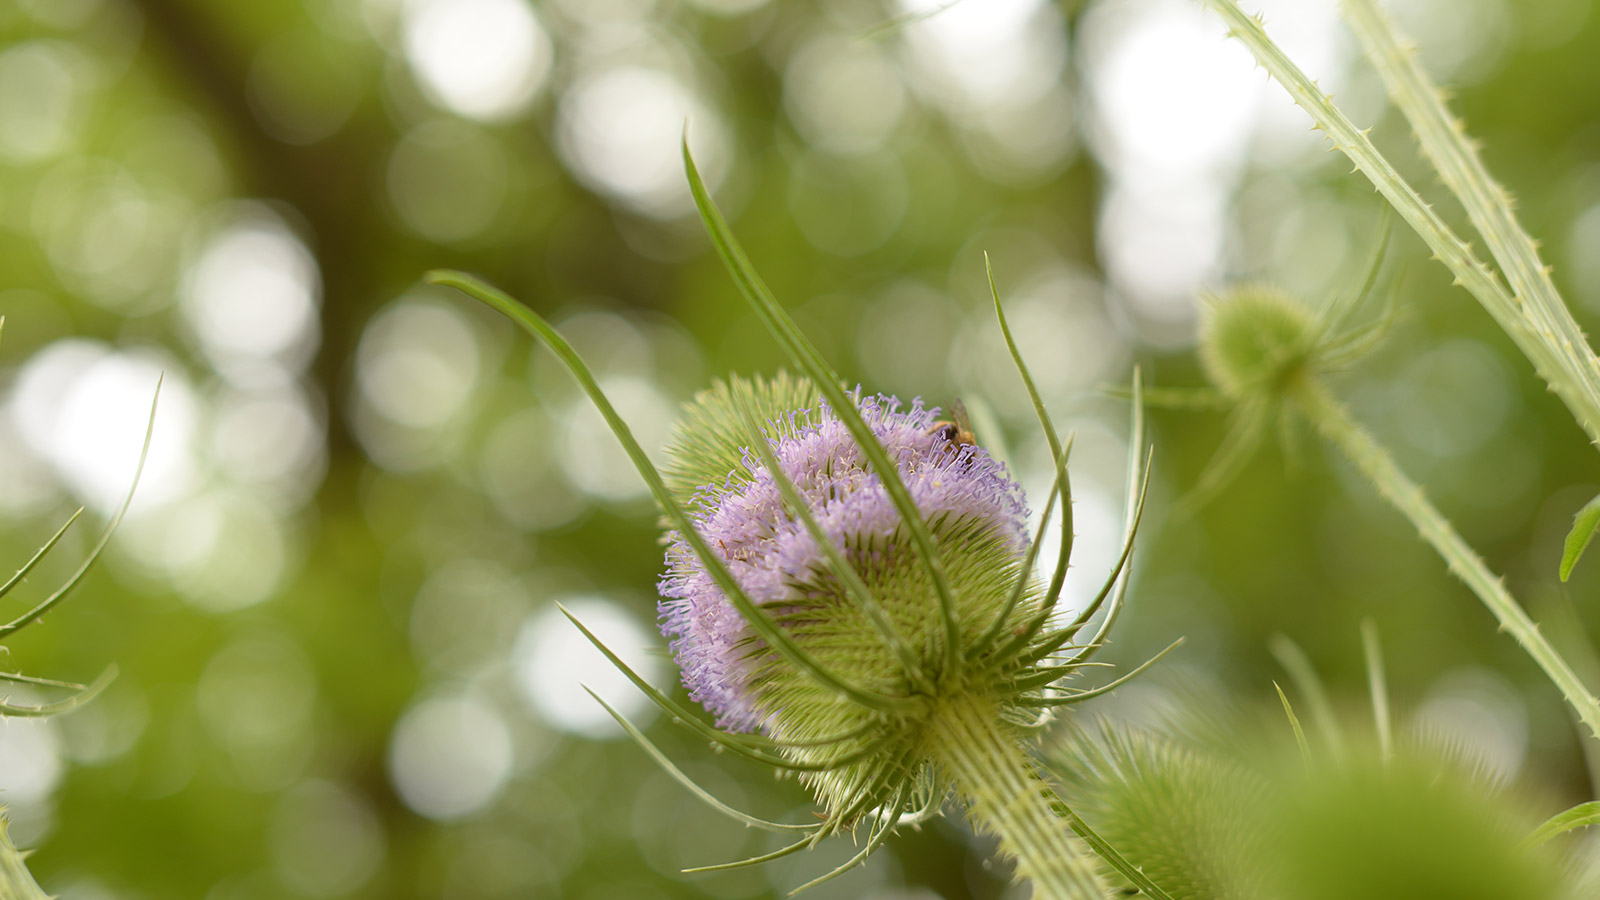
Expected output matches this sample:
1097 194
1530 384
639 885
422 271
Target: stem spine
1334 421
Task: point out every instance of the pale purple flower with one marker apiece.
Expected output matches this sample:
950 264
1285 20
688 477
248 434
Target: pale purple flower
768 551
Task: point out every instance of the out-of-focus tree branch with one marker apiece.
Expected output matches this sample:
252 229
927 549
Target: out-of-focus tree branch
326 183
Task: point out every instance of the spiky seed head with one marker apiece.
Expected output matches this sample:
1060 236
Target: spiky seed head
1255 338
977 516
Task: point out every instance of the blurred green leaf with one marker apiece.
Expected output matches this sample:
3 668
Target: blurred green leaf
1584 525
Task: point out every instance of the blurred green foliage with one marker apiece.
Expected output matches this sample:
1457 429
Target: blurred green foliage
330 603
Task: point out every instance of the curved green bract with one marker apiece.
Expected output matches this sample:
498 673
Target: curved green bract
759 620
806 356
1062 484
40 710
1104 689
49 545
61 593
678 775
1580 816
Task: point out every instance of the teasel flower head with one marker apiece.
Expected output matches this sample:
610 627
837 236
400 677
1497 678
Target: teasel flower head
850 593
876 627
976 513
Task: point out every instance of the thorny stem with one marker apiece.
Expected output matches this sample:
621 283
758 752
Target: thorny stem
1488 204
1006 796
1333 420
16 882
1546 337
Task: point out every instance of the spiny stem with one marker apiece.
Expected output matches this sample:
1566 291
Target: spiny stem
1333 420
1549 352
16 882
1006 796
1488 204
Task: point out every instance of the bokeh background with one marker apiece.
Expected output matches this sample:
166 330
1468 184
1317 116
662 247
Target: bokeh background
332 604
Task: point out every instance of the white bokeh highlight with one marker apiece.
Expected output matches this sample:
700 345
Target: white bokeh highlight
450 757
554 662
418 362
620 132
1177 110
84 408
251 298
483 59
326 839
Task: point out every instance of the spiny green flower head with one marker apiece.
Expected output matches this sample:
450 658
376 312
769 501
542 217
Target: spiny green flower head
1258 342
1254 338
977 515
1262 350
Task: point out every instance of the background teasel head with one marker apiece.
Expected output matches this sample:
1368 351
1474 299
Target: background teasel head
1260 346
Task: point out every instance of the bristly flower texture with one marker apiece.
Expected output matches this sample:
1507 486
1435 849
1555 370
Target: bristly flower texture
865 689
780 565
851 593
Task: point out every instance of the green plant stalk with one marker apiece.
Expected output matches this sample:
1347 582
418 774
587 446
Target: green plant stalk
1550 353
1334 421
16 882
1006 796
1488 204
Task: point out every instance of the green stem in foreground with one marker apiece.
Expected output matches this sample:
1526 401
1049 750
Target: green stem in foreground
16 882
1006 796
1334 421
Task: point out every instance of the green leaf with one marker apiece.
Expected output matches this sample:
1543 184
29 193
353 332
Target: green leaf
1583 529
